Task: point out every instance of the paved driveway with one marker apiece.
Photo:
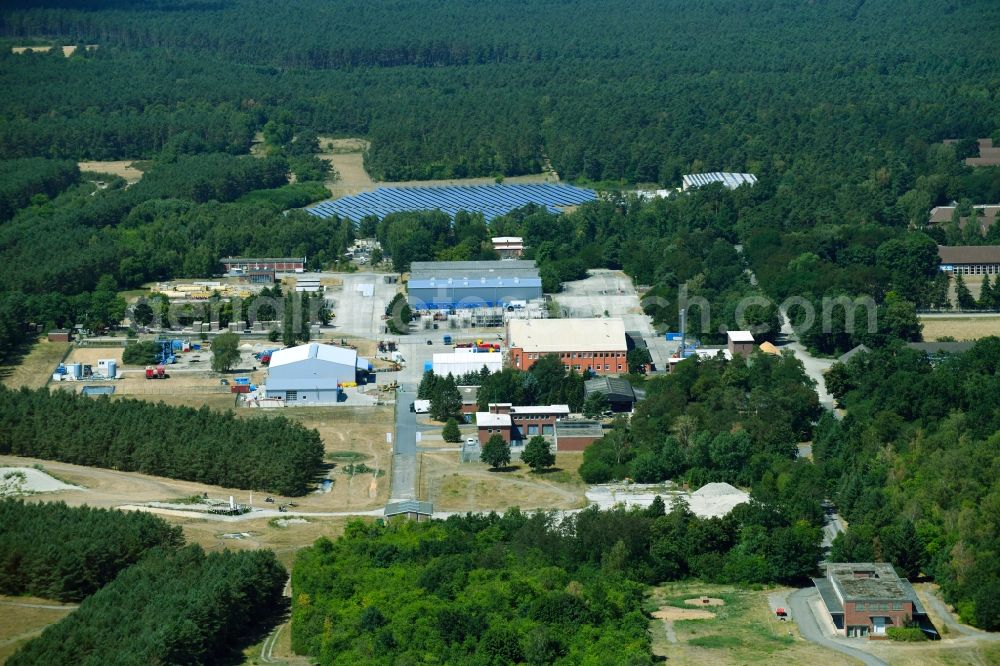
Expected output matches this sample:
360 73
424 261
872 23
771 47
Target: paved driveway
404 459
800 603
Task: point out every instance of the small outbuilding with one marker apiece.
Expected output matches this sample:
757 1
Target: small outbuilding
60 335
740 342
411 509
618 392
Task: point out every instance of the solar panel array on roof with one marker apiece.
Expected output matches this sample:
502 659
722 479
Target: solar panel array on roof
490 200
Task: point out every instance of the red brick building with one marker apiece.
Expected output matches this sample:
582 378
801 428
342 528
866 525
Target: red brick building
519 424
866 599
598 345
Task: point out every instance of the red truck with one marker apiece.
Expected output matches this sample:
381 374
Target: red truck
159 372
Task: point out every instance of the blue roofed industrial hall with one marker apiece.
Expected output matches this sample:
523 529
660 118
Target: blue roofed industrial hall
471 284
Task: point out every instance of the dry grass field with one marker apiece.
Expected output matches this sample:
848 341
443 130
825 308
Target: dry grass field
743 630
455 486
347 158
960 328
21 620
122 168
352 435
285 536
35 368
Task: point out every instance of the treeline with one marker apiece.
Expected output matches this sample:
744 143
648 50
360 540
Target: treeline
22 180
57 552
524 588
913 467
431 236
184 607
269 454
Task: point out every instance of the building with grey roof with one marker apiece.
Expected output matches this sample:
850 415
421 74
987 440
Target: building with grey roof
311 374
617 391
970 259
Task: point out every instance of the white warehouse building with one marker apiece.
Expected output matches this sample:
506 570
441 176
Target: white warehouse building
311 374
464 361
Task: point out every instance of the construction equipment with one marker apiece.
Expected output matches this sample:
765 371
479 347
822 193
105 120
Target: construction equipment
159 372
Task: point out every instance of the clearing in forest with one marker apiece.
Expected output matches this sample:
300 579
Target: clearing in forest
124 168
347 157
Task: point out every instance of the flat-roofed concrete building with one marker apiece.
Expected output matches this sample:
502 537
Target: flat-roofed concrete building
471 284
463 361
970 259
864 599
598 345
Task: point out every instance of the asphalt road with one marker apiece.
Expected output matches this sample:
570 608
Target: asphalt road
814 367
802 614
404 443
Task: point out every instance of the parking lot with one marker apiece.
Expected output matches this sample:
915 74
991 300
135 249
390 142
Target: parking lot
360 302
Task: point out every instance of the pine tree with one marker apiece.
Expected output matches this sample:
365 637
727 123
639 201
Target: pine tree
450 432
963 295
988 294
428 383
446 400
288 328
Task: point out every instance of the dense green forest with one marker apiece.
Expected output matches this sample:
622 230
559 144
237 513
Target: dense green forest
23 180
636 91
522 588
181 607
177 442
914 467
715 420
848 157
57 552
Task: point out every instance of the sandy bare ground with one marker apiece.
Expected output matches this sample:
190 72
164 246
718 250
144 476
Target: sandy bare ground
672 613
121 168
36 481
960 328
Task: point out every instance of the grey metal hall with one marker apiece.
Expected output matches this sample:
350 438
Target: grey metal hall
471 284
311 373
